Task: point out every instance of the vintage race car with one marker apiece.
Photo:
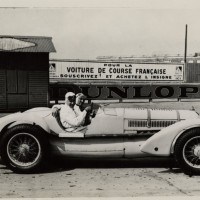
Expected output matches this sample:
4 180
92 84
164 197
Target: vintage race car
29 138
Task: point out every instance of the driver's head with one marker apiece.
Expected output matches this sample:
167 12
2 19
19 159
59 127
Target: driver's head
70 99
80 99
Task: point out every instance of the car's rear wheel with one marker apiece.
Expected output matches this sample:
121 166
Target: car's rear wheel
187 151
24 148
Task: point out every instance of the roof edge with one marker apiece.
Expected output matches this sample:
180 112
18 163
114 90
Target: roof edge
18 36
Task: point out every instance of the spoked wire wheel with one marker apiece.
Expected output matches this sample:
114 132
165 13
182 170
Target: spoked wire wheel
191 152
187 151
23 149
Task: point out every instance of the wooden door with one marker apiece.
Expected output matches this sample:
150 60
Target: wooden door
17 89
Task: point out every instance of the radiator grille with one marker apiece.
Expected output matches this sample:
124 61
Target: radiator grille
153 124
161 123
137 123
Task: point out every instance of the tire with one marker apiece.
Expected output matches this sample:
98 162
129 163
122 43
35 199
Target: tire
24 148
187 151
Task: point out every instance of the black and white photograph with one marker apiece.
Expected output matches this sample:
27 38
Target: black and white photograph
100 99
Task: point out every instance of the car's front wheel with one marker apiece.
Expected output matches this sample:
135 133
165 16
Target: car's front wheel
24 148
187 151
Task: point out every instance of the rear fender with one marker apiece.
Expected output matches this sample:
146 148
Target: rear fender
25 118
43 126
162 143
7 120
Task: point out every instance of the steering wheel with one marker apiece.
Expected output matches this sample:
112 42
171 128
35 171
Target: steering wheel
91 114
92 106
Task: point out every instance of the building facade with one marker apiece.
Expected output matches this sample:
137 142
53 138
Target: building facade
24 72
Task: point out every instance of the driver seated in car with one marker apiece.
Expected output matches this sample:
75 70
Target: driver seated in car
80 100
73 117
78 107
72 120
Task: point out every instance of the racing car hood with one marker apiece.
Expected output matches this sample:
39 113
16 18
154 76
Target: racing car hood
153 114
159 114
120 121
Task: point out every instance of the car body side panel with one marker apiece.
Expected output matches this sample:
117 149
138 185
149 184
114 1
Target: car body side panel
160 144
88 147
53 124
132 147
106 125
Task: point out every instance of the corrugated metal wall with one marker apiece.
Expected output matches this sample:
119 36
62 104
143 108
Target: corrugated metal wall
24 80
38 88
3 103
192 72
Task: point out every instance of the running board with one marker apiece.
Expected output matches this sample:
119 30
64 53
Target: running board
71 135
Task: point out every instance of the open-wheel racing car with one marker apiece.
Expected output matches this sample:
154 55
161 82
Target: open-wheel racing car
27 139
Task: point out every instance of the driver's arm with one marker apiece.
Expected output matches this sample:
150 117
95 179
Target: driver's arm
72 119
55 108
58 106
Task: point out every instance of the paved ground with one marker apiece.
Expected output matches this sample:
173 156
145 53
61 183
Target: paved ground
144 178
139 178
101 179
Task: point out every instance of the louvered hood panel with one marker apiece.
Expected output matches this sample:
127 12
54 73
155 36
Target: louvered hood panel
154 119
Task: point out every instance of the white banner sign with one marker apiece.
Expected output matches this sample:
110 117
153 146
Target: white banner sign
117 71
